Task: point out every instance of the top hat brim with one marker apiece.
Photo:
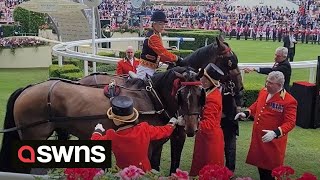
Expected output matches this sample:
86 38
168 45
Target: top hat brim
160 20
125 119
214 82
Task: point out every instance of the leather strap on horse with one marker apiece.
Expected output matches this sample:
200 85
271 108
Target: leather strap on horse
49 98
154 93
53 119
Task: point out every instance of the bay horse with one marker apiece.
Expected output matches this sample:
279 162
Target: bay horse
218 53
35 111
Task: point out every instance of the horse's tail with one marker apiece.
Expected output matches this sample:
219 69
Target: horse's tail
9 137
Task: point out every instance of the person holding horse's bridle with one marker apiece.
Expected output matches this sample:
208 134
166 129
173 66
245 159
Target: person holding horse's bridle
130 142
153 50
209 142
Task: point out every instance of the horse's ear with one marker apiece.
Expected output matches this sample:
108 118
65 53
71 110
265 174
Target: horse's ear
219 42
180 76
200 73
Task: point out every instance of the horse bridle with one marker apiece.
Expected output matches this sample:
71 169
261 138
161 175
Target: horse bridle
184 85
150 89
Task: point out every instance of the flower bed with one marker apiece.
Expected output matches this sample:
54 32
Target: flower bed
24 53
208 172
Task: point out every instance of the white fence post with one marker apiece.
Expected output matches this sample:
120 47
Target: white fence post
312 75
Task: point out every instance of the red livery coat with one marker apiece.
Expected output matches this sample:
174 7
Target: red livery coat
209 142
155 43
279 112
124 66
130 146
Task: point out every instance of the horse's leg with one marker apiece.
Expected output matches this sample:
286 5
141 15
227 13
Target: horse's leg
177 140
10 137
62 134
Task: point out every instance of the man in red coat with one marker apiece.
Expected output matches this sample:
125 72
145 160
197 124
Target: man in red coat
129 63
209 142
130 142
274 115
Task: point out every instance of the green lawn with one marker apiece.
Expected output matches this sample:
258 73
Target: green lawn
303 152
263 52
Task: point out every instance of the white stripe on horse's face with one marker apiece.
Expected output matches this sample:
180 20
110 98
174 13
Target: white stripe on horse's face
188 98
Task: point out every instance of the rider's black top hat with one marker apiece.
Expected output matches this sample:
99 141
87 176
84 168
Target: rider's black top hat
122 109
159 16
213 73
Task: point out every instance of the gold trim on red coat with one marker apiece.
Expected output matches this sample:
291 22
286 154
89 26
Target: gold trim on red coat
148 64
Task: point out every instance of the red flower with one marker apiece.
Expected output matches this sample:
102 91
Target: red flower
307 176
131 173
181 175
282 172
81 173
210 172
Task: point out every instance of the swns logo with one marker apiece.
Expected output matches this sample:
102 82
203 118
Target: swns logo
62 154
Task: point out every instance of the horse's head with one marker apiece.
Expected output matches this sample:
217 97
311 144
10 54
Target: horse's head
190 98
227 61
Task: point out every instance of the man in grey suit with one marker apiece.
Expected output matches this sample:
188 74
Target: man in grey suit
290 42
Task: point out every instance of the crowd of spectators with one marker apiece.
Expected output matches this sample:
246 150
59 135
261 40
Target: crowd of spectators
218 15
6 10
262 20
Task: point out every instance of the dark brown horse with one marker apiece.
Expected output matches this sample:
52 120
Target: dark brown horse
34 112
218 53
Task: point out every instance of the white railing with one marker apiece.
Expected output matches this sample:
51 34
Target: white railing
311 64
68 50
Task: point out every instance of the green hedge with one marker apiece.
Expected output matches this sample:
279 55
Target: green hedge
250 96
75 76
30 21
181 52
8 30
73 61
199 35
64 71
109 54
103 67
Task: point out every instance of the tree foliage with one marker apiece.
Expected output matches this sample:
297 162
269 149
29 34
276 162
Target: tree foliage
29 20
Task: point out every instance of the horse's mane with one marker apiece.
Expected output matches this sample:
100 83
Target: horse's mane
99 73
64 80
201 56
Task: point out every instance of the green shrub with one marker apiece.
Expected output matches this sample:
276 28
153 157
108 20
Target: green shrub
56 71
102 67
109 54
75 76
137 54
182 53
199 35
74 61
8 30
30 21
250 96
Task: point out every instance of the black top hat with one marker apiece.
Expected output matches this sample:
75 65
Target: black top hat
159 16
213 73
122 110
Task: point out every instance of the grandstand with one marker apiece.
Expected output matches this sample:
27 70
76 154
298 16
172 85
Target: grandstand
225 15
